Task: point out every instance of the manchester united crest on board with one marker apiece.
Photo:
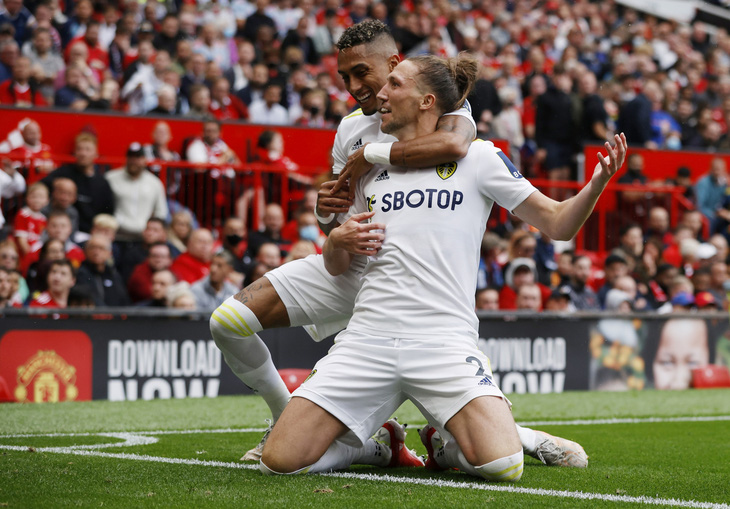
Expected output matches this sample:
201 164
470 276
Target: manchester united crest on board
446 170
46 377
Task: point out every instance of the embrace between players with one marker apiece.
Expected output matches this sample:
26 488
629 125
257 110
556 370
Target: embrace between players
399 272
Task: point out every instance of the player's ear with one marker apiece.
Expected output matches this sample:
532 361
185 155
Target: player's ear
393 61
428 101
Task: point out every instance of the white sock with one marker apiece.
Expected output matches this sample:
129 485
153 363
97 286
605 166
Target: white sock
340 456
528 437
506 469
234 327
450 456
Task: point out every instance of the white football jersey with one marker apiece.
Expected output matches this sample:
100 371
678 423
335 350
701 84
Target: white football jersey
423 280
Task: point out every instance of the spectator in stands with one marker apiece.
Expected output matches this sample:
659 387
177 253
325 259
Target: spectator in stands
631 245
30 222
138 195
658 226
94 194
614 267
6 289
139 284
559 300
74 94
179 296
46 63
635 116
210 147
273 223
300 249
161 281
240 72
59 227
254 90
256 272
97 273
169 34
490 271
134 253
209 44
710 189
529 298
213 289
159 149
32 153
581 294
61 278
593 126
268 254
684 179
181 226
63 197
194 264
299 37
508 123
633 204
15 13
721 244
11 183
118 50
141 88
37 273
268 110
564 270
166 101
224 105
487 299
9 51
706 301
554 131
199 102
521 271
194 75
255 21
232 242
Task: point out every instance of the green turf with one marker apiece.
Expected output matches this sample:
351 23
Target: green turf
687 461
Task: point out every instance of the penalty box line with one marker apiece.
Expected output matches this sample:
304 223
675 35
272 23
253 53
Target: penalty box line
440 483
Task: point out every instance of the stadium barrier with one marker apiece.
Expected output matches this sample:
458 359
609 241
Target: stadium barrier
128 354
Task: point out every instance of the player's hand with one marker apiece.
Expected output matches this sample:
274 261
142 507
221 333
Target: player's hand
608 165
355 168
359 238
329 202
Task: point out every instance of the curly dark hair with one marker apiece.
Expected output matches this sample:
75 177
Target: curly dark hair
362 33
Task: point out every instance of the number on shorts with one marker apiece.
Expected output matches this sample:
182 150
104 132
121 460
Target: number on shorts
471 359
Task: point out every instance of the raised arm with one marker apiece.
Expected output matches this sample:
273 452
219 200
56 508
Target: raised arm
350 239
450 141
562 220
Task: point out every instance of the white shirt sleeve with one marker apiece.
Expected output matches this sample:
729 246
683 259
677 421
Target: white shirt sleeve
465 111
339 154
499 179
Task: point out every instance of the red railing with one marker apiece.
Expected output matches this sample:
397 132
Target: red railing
213 192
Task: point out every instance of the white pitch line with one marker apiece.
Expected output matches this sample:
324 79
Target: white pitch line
627 420
578 495
575 422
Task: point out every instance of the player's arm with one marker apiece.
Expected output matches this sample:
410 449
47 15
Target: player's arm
352 238
450 142
562 220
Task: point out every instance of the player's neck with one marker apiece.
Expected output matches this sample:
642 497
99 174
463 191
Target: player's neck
423 126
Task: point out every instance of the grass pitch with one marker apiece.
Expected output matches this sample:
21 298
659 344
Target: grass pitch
646 448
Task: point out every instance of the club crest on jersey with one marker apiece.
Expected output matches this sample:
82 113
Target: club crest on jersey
446 170
371 201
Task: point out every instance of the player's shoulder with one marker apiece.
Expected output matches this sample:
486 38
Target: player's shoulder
355 121
481 147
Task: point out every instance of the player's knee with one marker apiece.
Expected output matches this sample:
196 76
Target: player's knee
272 464
227 321
506 469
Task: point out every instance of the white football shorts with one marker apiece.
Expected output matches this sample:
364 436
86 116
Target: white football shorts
364 379
313 296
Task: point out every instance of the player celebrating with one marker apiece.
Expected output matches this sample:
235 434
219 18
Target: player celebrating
302 292
413 334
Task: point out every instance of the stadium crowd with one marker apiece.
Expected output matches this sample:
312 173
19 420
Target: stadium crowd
555 74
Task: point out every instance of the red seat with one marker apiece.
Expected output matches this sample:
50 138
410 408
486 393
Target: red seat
293 377
710 377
